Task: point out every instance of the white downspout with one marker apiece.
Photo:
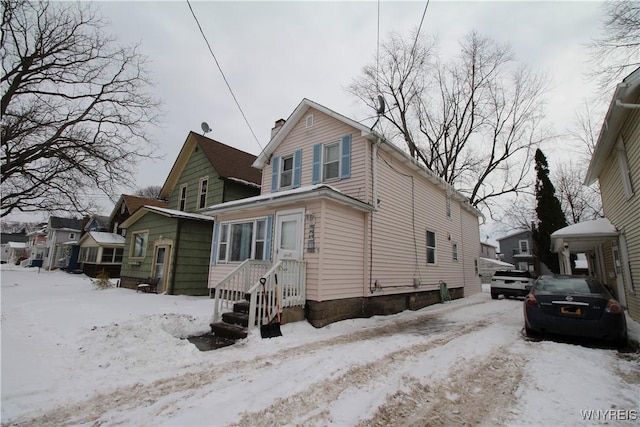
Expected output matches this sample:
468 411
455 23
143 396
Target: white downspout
374 171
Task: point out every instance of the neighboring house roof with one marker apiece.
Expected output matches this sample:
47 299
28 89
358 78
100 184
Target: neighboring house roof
169 213
103 238
513 234
71 224
625 92
366 133
288 196
13 237
229 162
101 220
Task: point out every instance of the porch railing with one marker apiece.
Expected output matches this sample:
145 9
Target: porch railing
233 287
284 286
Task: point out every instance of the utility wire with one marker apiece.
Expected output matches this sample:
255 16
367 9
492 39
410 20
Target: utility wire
420 26
223 76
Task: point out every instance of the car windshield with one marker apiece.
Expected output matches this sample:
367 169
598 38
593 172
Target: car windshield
570 285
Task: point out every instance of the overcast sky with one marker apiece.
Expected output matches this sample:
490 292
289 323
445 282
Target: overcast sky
274 54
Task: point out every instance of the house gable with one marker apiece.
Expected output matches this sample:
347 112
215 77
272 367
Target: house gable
307 145
203 160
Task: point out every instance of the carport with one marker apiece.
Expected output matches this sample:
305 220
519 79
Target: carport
598 240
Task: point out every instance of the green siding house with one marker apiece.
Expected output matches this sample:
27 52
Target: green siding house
173 244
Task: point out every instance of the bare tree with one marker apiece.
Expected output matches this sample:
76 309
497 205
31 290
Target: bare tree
617 52
475 120
75 108
150 192
579 202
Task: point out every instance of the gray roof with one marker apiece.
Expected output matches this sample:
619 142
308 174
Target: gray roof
13 237
69 223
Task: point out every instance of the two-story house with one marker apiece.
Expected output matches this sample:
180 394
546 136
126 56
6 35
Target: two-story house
517 249
62 248
347 225
172 244
612 244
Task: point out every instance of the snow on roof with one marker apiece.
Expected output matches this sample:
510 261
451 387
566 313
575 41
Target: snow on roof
600 226
17 245
107 238
497 262
242 181
179 214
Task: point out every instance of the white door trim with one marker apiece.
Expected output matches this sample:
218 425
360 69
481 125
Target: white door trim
297 254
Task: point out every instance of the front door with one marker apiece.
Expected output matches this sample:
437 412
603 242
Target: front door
289 235
159 266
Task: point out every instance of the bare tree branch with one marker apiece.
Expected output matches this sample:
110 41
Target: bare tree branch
75 108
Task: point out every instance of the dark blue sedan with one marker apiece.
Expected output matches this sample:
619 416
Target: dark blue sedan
578 306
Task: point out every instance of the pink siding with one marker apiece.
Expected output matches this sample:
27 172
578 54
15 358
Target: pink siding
326 129
342 254
399 233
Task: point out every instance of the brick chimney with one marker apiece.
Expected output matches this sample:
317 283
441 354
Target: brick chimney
277 126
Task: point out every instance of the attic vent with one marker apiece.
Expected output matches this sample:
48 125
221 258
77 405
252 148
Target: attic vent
310 120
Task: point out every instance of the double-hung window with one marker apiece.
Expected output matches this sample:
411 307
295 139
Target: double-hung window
182 203
286 172
139 244
332 160
454 251
431 247
239 241
524 247
111 255
202 196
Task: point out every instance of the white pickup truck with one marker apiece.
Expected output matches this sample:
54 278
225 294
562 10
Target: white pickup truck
511 283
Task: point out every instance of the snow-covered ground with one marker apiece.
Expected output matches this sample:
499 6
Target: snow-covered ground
75 355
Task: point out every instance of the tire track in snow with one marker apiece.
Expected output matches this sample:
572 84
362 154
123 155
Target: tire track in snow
141 395
476 393
301 408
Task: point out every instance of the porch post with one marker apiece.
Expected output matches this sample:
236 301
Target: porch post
565 260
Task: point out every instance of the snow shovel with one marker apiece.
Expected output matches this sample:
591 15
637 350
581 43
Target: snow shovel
270 329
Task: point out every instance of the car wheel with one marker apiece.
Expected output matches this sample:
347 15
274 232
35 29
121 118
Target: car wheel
530 332
494 295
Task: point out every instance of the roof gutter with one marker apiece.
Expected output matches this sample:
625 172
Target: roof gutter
612 124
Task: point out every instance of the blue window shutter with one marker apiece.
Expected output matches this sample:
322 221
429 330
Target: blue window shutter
214 243
345 165
268 239
315 175
275 171
297 168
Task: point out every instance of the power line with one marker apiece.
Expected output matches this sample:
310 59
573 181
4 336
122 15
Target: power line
420 27
223 76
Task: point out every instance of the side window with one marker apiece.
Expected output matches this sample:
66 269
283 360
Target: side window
448 205
623 166
139 244
182 201
431 247
524 247
286 171
331 161
239 241
454 251
202 196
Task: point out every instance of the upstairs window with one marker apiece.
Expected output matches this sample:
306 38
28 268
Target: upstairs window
454 251
431 247
182 201
332 160
448 205
623 166
286 171
524 247
202 196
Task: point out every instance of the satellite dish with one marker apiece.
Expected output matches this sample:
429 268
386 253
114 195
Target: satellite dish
205 127
380 109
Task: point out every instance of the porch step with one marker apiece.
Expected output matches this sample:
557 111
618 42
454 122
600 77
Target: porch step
241 307
236 318
226 330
